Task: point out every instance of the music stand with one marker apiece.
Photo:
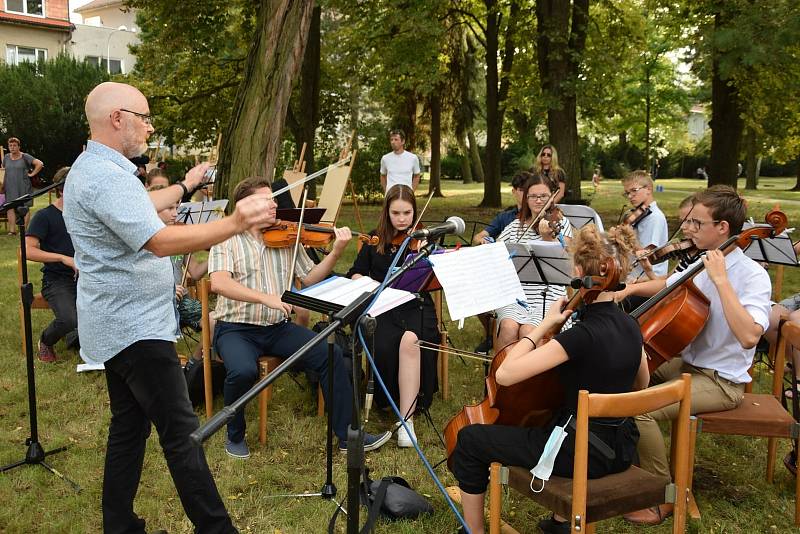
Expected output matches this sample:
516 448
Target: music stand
777 250
580 215
541 263
312 215
201 212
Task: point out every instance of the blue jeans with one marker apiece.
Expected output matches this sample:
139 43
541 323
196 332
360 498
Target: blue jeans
146 385
239 345
60 294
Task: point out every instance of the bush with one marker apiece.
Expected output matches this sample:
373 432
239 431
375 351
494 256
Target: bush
451 167
43 105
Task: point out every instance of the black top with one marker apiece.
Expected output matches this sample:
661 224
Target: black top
604 350
370 263
48 226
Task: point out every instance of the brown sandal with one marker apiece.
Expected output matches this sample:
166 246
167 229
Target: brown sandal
655 515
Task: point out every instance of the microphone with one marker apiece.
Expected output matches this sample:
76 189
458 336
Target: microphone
453 225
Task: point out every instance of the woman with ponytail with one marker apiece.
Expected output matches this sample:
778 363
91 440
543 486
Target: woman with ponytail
601 353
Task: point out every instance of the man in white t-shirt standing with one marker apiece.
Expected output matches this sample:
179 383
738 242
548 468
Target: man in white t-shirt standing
399 167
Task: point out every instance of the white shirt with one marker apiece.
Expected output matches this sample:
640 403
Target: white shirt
652 230
399 168
716 347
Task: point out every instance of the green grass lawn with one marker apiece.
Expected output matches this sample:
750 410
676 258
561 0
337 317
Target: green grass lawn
729 473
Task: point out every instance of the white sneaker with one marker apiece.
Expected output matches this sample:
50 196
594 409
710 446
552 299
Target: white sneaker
403 437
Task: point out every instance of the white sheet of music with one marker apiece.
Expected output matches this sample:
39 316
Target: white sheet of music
477 279
343 291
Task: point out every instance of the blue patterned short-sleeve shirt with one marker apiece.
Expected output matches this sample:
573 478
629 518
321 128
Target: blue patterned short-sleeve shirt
125 292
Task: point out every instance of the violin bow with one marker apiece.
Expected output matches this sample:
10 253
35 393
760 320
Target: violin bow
290 280
540 215
421 213
311 176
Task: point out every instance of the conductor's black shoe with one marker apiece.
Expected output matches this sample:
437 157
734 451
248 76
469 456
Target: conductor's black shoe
371 441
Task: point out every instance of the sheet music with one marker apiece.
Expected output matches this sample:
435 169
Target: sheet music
477 279
201 212
343 291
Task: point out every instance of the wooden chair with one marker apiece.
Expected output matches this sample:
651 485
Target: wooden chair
38 303
266 364
586 502
761 415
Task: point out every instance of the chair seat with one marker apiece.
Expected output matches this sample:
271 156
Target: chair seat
757 415
39 302
606 497
268 364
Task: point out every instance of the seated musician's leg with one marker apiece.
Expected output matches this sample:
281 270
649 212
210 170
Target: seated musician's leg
60 296
507 333
480 445
239 352
408 372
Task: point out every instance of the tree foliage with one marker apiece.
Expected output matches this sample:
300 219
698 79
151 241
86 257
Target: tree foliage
43 105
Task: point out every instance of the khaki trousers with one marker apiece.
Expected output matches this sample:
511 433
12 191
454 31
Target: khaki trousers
710 393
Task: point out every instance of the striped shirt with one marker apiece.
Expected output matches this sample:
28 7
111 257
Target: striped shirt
538 296
257 267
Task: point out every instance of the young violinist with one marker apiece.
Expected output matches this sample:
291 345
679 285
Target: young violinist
648 220
719 357
252 320
684 210
601 353
408 372
519 319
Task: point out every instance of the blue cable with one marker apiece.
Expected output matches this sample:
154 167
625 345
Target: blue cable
396 410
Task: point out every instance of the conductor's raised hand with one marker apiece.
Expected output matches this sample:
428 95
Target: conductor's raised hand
255 210
195 176
343 237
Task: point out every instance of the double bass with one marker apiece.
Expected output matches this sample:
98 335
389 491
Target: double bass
530 402
674 316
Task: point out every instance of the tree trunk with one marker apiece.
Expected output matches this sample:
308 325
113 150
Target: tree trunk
475 158
253 137
435 184
559 61
797 182
309 97
355 112
726 125
497 85
750 159
463 150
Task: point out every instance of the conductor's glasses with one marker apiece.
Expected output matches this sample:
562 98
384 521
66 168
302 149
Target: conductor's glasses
147 119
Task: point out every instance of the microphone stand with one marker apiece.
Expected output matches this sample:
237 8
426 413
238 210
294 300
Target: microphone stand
35 454
355 434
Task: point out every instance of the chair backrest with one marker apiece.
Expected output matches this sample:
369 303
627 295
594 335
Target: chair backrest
789 335
333 190
629 405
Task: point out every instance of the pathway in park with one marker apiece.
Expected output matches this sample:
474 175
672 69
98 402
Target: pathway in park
668 189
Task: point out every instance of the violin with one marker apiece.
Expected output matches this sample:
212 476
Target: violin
635 215
413 244
284 234
554 217
674 316
676 250
529 402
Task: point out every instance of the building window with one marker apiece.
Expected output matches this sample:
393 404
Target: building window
26 7
21 54
100 62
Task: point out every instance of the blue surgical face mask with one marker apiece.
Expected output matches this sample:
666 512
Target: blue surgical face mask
544 468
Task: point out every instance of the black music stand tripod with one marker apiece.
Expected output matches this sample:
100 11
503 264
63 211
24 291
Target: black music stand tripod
35 455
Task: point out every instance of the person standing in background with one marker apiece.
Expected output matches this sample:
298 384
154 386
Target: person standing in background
20 168
399 167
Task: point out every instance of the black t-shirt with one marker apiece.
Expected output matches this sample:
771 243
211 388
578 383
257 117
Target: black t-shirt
604 350
48 226
373 264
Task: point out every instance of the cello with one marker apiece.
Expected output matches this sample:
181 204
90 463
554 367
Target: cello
674 316
529 402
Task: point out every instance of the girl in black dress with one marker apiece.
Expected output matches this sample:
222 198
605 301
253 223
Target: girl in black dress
601 353
407 371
